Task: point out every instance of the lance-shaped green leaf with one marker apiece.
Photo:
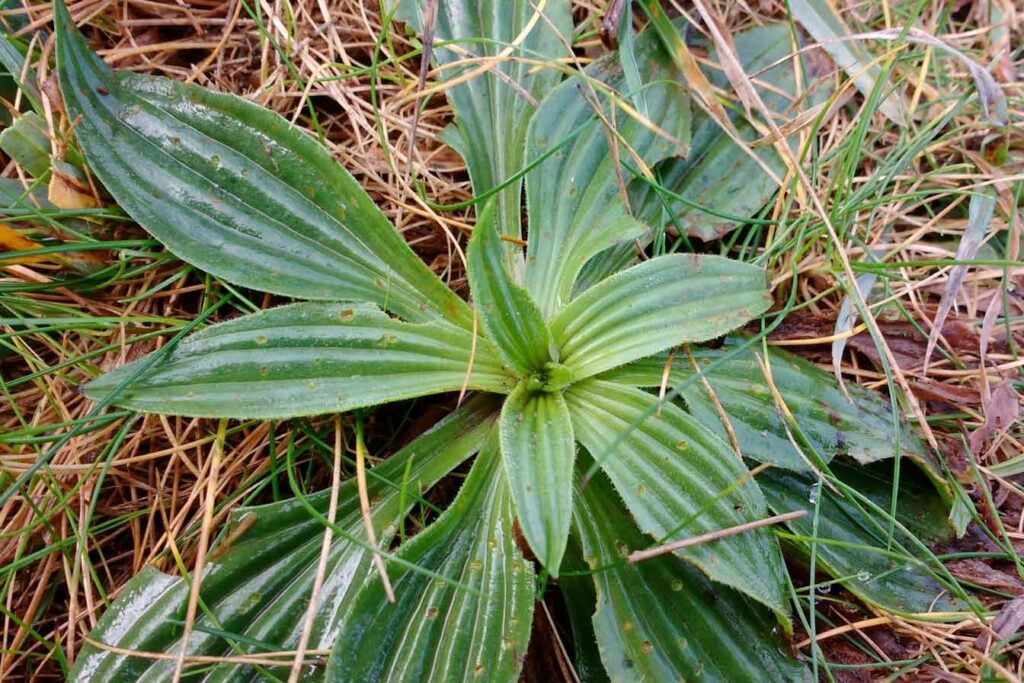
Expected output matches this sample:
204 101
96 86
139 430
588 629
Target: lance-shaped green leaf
719 184
660 303
860 426
509 316
12 65
662 620
258 586
851 543
680 480
575 196
27 143
477 630
305 359
538 449
236 190
519 41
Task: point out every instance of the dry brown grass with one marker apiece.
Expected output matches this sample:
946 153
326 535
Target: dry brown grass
158 477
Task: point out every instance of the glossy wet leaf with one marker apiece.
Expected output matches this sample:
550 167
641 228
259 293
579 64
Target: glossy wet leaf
680 480
237 191
436 631
661 619
493 108
258 586
511 319
538 449
574 197
305 359
861 427
660 303
852 546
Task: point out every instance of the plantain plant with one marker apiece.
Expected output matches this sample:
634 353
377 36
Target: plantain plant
561 355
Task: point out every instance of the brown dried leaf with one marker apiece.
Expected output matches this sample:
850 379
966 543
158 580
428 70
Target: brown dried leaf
1000 413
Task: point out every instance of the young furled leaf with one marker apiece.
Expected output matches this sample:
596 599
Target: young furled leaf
539 450
511 319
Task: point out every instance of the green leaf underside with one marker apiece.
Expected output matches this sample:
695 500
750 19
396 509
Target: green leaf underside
437 632
538 449
259 587
306 359
679 480
661 619
493 109
511 319
660 303
237 191
833 424
896 584
573 197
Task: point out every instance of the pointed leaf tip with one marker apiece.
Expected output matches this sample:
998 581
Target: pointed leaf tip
538 448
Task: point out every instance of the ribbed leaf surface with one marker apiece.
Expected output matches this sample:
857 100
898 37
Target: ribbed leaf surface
852 546
679 480
493 108
861 428
661 619
511 319
538 449
237 191
574 197
258 588
663 302
438 632
305 359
